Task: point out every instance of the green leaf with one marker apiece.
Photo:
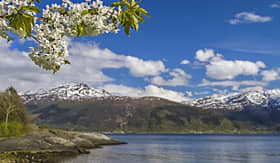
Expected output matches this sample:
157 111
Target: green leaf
126 29
122 18
116 4
84 12
32 1
79 29
67 62
131 15
22 21
139 16
93 11
136 5
143 11
132 2
32 8
126 2
28 21
135 23
56 69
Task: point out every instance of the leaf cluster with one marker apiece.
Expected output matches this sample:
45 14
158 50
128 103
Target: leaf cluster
131 14
22 20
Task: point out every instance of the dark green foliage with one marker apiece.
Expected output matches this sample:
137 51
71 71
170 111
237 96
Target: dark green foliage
152 116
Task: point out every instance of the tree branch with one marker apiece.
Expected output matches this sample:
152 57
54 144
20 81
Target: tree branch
32 36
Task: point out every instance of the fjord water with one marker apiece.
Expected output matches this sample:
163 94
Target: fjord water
167 148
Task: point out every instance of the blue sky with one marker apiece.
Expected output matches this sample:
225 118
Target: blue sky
230 45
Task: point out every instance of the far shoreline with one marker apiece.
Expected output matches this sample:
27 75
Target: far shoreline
188 133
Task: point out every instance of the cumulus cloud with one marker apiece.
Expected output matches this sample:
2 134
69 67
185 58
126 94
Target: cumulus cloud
141 68
104 58
179 78
221 69
150 90
226 69
270 75
204 55
185 62
249 17
234 84
88 63
122 90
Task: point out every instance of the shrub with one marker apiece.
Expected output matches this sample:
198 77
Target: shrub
13 129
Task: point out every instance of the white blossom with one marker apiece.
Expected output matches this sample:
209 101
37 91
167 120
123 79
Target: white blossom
90 18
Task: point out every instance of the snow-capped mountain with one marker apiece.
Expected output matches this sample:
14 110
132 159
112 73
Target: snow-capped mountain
258 98
261 98
71 91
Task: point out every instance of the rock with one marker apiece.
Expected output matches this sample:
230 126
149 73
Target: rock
50 142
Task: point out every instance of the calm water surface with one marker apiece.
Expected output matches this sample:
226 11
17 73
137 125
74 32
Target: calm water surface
164 148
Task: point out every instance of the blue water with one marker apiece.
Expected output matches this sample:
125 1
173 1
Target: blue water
162 148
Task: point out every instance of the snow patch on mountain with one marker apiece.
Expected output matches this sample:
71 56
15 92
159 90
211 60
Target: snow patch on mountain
70 91
252 98
259 98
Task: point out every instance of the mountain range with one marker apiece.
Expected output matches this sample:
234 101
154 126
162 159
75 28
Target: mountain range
257 98
76 106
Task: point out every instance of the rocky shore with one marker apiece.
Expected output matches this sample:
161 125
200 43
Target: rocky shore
51 145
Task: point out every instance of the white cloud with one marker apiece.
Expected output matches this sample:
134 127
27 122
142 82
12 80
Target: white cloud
220 92
141 68
270 75
104 58
185 62
179 78
249 17
88 62
201 93
204 55
149 90
226 69
256 88
189 93
221 69
16 69
121 90
234 84
275 5
152 90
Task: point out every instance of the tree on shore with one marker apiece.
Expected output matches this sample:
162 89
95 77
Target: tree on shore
54 23
11 104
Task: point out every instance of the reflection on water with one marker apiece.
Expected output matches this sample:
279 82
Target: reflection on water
188 148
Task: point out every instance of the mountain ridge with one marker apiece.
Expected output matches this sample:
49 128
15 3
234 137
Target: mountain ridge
87 111
257 98
261 98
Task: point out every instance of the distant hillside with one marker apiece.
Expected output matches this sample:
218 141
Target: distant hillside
79 107
150 115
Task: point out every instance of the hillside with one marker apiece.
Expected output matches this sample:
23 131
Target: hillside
108 113
150 116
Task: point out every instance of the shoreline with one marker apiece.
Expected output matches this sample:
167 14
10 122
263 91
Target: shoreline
51 145
194 133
